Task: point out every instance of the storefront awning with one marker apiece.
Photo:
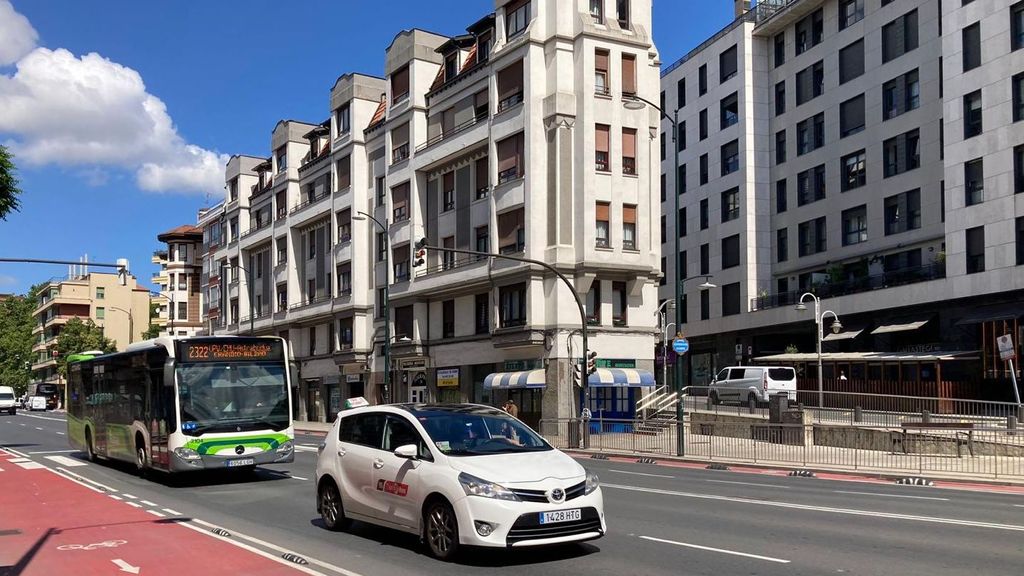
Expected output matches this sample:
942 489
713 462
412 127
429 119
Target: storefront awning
609 377
508 380
848 335
900 327
992 314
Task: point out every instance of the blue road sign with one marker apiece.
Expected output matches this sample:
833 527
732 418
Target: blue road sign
680 346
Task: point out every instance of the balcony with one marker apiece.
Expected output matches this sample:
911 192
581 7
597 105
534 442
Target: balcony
480 117
254 229
159 256
890 279
400 153
310 200
451 262
510 101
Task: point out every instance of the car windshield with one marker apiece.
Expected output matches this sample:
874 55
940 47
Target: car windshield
223 397
6 396
479 432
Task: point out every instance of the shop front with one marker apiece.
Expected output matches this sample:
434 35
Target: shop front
525 388
614 392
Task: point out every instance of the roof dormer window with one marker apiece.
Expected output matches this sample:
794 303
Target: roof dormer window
451 66
483 47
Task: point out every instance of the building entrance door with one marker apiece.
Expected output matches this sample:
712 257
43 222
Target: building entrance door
313 400
417 394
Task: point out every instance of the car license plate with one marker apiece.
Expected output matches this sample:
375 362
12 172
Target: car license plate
560 516
241 462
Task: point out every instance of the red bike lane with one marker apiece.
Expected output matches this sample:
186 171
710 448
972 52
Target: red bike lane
52 525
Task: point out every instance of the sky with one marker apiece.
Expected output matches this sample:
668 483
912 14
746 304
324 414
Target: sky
121 114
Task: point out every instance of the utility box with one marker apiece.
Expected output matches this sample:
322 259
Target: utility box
777 404
799 427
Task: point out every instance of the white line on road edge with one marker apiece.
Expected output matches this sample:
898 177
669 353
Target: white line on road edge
67 477
61 433
708 548
13 452
42 417
299 478
84 479
172 512
155 513
277 548
747 483
148 503
850 511
53 452
255 550
890 495
640 474
115 496
301 448
128 496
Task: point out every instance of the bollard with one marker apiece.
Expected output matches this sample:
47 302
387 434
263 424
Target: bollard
1011 425
926 417
858 414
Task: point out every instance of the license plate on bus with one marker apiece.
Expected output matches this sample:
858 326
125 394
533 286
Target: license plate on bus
241 462
560 516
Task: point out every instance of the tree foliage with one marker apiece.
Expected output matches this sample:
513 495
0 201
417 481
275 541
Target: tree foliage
16 324
78 336
154 329
9 190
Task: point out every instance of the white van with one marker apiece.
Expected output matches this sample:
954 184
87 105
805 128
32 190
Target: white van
752 384
37 403
7 402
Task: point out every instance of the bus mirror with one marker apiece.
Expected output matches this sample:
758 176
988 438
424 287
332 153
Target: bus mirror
169 372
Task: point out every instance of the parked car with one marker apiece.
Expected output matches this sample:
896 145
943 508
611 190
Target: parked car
37 403
456 475
7 402
752 384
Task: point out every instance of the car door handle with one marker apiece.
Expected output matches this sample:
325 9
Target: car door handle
378 463
341 451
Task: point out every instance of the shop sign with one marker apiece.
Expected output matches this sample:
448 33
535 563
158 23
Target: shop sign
613 363
414 364
523 365
447 377
353 378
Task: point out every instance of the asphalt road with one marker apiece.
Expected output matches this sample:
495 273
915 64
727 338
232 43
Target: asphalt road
662 520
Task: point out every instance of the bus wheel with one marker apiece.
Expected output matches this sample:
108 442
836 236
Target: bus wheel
90 454
140 455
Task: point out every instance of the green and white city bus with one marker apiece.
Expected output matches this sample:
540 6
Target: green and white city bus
183 404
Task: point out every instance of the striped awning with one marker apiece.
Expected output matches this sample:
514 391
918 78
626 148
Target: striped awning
507 380
620 377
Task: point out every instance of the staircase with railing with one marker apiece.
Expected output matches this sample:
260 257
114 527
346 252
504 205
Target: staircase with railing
656 412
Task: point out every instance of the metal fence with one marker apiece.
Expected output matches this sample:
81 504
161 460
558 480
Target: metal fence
969 452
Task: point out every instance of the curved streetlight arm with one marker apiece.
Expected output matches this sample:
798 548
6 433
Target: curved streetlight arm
387 296
634 97
826 313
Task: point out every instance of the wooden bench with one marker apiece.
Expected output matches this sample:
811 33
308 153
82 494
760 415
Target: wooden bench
963 434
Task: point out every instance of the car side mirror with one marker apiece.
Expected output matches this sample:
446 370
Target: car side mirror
407 451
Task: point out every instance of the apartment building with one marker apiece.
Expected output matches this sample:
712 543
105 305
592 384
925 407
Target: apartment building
180 281
510 138
122 312
861 150
161 284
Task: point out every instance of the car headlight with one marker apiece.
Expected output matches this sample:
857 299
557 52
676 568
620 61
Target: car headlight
477 487
592 483
286 447
187 454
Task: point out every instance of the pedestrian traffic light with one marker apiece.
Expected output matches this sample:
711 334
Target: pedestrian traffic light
577 373
421 253
591 362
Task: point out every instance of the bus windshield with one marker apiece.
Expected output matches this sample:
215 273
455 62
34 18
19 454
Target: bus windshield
232 397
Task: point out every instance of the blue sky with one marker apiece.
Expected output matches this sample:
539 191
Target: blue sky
121 111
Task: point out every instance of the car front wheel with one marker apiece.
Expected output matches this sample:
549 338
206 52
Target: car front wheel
332 512
442 530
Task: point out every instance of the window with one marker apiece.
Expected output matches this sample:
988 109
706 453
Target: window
705 304
731 299
854 170
403 322
628 74
1020 240
1018 169
482 236
681 221
182 310
664 277
382 191
451 66
629 151
812 238
183 282
597 11
851 62
681 136
282 297
781 196
855 225
972 114
810 82
622 13
448 258
780 49
510 158
344 279
448 191
233 190
629 227
482 313
903 212
343 171
517 17
731 251
851 116
780 147
810 134
448 319
620 307
681 93
975 250
601 72
399 85
703 169
512 301
850 12
664 187
510 86
382 246
901 95
806 191
730 204
705 258
809 31
593 303
730 157
400 262
901 153
780 98
899 36
1018 97
282 159
702 80
1017 26
602 221
729 111
681 178
100 293
661 144
702 127
343 120
400 202
101 312
971 37
282 250
483 178
512 231
664 233
704 214
974 182
682 264
782 244
727 64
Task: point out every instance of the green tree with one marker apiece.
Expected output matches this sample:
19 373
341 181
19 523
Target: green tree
9 190
78 336
16 324
154 330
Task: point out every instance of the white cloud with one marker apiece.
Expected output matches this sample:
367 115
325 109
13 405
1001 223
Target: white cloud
7 280
19 37
89 111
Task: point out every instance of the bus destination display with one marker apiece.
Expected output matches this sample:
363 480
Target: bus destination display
227 352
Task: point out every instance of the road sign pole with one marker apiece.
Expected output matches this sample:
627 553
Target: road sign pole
1013 378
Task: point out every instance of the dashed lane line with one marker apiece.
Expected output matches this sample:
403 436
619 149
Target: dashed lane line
65 461
719 550
147 502
746 483
115 496
640 474
53 452
134 505
891 495
38 428
155 513
128 496
172 512
61 433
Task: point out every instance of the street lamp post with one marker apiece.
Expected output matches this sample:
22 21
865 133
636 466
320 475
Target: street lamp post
684 374
819 319
662 321
131 322
387 282
248 285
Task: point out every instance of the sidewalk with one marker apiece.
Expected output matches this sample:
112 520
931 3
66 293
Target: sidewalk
315 428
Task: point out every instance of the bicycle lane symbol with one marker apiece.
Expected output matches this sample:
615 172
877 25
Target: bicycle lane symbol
93 546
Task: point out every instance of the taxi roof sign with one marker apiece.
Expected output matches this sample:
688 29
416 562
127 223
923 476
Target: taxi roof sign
357 402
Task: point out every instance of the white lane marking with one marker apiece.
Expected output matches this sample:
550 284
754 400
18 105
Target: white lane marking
21 459
66 477
61 433
128 496
31 465
24 415
747 483
134 505
14 452
274 547
115 496
65 461
1019 505
38 428
255 550
300 478
53 452
155 513
1 469
891 495
20 424
808 507
302 448
719 550
93 482
640 474
172 512
148 503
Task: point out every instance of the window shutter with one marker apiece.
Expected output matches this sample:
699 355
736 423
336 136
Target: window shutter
601 60
628 214
601 138
628 74
628 143
506 154
400 196
602 212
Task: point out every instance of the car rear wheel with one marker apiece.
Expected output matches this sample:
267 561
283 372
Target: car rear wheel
332 512
442 530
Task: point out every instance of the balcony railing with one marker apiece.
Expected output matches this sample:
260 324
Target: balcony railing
481 116
508 175
449 264
310 200
256 228
888 279
510 101
310 302
400 153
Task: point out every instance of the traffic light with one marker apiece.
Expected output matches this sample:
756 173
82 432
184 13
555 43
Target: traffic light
591 362
421 253
577 373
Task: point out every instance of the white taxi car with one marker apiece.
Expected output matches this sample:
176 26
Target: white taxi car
456 475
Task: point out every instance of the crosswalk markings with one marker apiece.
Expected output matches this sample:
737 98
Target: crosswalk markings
16 460
65 461
30 465
1 469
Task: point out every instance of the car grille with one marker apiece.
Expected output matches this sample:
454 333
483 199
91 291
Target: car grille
575 491
542 497
528 527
